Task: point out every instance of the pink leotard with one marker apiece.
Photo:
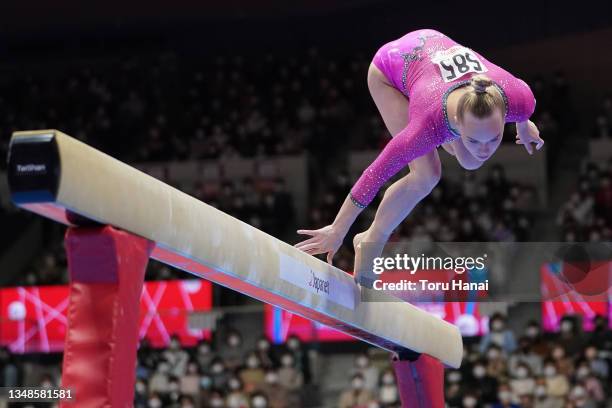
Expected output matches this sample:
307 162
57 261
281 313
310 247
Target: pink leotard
407 64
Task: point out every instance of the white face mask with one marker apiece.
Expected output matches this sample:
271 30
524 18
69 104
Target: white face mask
252 363
493 354
141 388
259 402
582 373
479 371
155 403
216 403
357 384
550 371
540 391
521 373
233 384
233 341
287 361
504 396
469 402
362 362
272 378
454 377
388 379
532 332
263 345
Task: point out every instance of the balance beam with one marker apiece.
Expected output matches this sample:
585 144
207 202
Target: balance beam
61 178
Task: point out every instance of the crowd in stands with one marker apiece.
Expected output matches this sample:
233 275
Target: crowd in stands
570 368
587 215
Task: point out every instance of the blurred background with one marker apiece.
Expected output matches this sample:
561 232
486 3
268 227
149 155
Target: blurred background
261 109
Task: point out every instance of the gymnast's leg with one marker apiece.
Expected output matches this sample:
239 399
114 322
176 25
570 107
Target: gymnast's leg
403 195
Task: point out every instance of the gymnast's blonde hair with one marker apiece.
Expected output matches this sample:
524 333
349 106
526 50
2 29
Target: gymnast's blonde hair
481 100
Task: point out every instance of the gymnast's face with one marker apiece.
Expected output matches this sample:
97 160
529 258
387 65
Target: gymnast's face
481 137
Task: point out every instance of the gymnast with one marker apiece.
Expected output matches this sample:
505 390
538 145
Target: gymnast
430 91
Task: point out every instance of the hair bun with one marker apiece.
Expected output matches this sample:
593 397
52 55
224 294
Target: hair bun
480 83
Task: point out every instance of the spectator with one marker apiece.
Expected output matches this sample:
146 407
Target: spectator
523 382
504 397
252 376
204 356
369 373
232 351
387 393
484 383
357 396
278 395
237 397
190 382
527 356
264 353
176 357
557 385
498 335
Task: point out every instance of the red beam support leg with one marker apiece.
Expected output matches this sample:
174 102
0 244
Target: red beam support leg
421 382
107 269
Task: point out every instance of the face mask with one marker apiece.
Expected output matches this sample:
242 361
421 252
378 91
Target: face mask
454 377
388 379
217 368
479 371
566 327
233 384
272 378
521 372
504 396
550 371
357 384
497 325
362 362
252 363
582 373
293 344
469 402
493 354
155 403
233 341
140 388
216 403
263 345
540 391
578 392
287 361
532 332
259 402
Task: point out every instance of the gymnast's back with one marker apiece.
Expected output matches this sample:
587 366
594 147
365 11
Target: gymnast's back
425 65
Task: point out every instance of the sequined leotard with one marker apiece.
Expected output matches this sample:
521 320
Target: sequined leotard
409 63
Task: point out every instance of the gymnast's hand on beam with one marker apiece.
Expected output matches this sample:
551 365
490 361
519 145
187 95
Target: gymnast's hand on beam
526 134
324 240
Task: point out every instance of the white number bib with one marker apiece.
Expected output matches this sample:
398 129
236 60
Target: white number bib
457 61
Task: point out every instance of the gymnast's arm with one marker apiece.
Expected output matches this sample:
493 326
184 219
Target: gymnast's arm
521 105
